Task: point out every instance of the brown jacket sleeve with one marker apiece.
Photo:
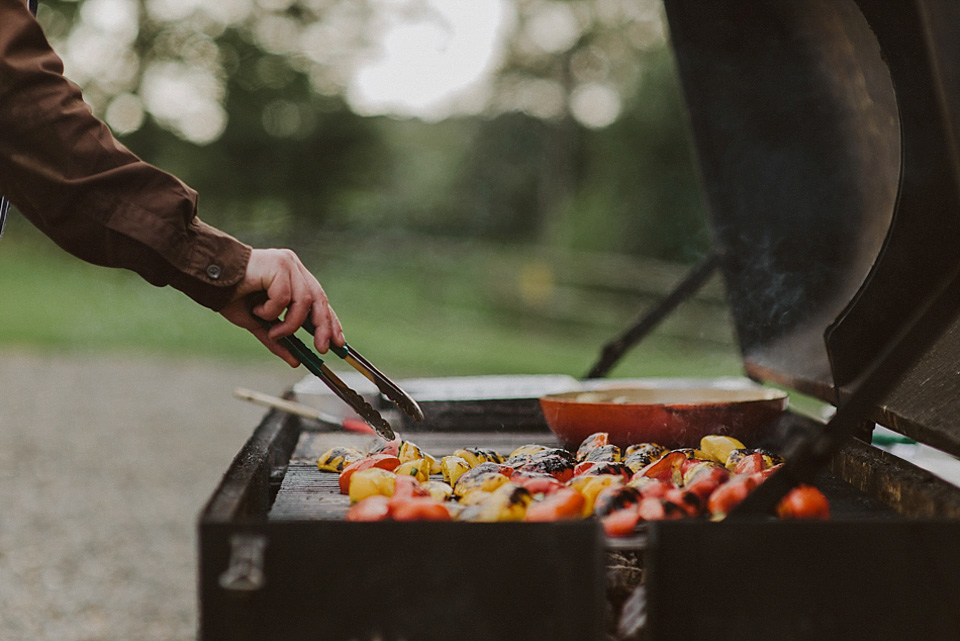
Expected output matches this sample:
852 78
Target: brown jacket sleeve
64 171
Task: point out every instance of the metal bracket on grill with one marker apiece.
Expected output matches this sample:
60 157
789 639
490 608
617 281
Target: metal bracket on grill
245 573
614 350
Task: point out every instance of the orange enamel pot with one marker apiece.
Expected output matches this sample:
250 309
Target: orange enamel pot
671 416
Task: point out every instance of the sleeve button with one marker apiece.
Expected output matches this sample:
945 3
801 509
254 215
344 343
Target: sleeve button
214 271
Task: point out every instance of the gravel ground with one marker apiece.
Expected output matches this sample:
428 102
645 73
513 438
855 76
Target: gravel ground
105 464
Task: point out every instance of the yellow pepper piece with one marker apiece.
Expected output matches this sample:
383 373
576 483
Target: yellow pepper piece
527 450
506 503
452 468
409 452
477 455
717 447
435 467
591 485
370 482
487 481
337 458
439 490
419 469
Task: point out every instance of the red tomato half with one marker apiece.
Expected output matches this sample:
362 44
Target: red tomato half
372 508
418 509
622 522
408 487
804 502
564 503
749 464
704 483
537 483
663 468
385 461
730 494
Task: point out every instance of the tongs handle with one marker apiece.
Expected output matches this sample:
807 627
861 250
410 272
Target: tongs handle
386 386
316 366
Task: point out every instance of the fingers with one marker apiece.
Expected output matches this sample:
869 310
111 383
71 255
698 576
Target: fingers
291 291
238 313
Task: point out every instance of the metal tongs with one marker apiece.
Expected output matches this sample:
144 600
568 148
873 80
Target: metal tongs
319 369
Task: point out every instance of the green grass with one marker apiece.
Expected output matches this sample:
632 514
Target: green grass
412 312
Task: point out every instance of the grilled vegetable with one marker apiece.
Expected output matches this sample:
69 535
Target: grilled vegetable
555 465
419 469
650 487
666 468
476 455
681 500
508 502
418 509
500 468
370 482
527 450
622 522
438 490
372 508
536 482
749 464
556 451
605 467
410 452
564 504
452 467
518 460
691 452
717 448
408 503
382 461
591 443
483 480
649 451
804 502
692 468
768 459
651 509
703 479
615 497
336 458
729 495
605 454
407 487
591 486
385 447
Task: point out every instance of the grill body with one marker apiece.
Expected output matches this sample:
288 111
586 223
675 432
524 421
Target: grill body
826 133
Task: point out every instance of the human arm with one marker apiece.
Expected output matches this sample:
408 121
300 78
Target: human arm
64 171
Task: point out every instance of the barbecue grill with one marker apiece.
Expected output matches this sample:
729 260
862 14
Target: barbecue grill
826 133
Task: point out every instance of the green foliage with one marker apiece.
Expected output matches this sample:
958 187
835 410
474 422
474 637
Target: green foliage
293 163
439 310
640 191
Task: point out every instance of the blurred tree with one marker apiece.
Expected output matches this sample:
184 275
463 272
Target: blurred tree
573 136
639 191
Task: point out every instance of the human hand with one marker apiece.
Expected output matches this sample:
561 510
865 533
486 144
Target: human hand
288 286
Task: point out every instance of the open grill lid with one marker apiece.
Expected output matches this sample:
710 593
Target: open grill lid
826 132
